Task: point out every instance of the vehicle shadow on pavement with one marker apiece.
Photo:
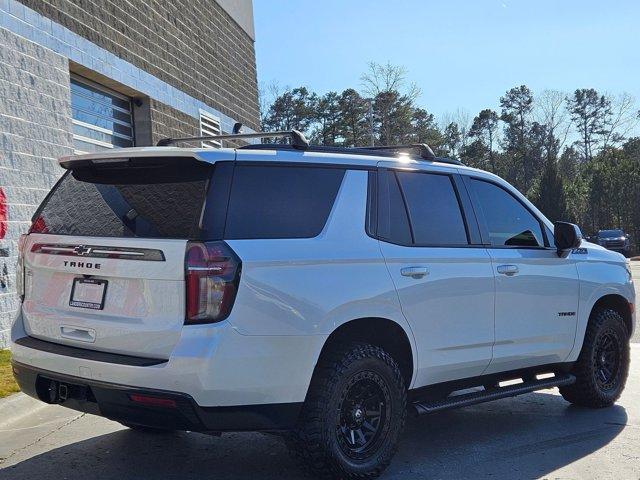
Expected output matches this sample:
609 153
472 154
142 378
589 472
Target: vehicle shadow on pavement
525 437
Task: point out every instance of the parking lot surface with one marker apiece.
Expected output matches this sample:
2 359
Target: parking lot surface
533 436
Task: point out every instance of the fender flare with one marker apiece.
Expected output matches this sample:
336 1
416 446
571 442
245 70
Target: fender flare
584 313
386 312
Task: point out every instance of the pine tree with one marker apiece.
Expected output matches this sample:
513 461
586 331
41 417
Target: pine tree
551 196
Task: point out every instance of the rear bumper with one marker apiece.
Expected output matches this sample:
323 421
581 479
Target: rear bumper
177 411
213 364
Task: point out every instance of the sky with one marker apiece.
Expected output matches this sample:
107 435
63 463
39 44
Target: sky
462 54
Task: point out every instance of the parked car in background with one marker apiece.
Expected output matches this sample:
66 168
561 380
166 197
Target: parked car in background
615 240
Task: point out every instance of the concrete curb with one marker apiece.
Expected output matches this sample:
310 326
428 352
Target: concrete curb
16 407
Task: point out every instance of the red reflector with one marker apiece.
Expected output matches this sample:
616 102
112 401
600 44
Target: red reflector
153 401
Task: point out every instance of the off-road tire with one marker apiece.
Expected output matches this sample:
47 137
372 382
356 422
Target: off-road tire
321 443
592 387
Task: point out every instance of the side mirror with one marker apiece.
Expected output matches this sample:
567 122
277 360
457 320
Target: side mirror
567 236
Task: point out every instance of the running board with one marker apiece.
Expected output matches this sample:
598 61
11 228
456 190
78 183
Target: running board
559 380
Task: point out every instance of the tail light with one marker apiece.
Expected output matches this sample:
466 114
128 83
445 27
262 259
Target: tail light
38 225
212 274
20 266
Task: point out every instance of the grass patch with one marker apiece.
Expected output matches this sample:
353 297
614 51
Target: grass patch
7 384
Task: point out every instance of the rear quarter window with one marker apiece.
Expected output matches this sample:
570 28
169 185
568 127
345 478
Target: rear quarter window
280 202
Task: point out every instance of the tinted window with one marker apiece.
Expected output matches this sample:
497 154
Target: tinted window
434 210
280 202
508 221
393 222
610 233
159 202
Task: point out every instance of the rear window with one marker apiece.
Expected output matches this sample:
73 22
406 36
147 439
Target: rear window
280 202
158 202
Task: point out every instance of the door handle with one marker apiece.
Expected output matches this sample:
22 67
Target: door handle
508 270
414 272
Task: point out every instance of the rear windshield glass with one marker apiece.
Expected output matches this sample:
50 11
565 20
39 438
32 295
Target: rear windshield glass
280 202
158 202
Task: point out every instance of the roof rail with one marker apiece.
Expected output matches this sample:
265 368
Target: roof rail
299 142
422 149
297 138
347 150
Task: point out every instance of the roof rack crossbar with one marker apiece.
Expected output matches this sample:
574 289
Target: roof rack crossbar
349 150
299 141
297 138
423 149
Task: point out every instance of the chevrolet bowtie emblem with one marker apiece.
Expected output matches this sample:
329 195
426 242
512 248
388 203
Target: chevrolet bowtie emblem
82 250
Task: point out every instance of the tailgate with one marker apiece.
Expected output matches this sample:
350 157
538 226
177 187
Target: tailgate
123 304
104 262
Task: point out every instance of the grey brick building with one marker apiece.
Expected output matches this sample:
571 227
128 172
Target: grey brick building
83 75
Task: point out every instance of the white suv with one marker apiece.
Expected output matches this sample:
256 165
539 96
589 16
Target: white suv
316 291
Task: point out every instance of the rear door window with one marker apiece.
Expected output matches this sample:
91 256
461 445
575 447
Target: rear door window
149 202
280 202
419 209
434 209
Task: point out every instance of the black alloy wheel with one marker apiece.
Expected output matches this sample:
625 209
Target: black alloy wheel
363 415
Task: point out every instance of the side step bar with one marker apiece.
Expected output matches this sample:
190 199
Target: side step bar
559 380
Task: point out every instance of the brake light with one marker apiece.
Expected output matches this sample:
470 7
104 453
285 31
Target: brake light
212 274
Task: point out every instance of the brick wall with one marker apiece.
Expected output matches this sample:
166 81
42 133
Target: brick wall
175 57
193 45
169 122
35 129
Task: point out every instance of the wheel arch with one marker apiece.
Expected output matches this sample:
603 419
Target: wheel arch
613 296
383 332
618 303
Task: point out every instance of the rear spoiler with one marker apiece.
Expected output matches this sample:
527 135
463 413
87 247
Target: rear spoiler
143 156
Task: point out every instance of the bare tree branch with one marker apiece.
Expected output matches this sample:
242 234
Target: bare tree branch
622 121
551 111
387 78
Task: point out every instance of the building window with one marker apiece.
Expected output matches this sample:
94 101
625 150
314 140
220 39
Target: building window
102 118
209 125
